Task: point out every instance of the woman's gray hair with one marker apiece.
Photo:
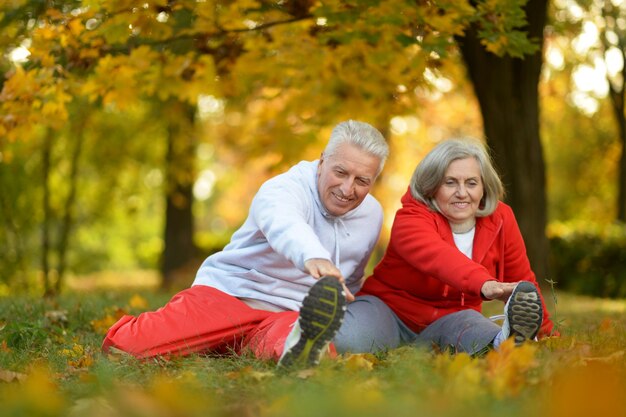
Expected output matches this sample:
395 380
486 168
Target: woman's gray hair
361 134
429 173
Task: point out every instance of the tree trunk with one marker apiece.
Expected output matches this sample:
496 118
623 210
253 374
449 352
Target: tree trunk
621 181
67 223
617 92
617 104
47 214
15 263
507 91
617 100
179 250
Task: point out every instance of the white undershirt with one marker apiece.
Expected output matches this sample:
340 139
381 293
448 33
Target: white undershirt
465 241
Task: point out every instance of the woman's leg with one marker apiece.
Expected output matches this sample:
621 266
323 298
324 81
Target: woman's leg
197 319
464 331
369 326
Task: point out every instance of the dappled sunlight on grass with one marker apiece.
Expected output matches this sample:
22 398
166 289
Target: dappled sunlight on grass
140 279
578 304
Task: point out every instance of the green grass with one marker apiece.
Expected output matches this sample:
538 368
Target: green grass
53 350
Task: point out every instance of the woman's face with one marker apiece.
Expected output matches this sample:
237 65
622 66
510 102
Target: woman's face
459 195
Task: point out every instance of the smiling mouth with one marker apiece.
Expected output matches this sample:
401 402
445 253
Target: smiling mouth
341 198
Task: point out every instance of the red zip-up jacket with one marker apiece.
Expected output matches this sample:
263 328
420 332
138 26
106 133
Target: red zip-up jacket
423 276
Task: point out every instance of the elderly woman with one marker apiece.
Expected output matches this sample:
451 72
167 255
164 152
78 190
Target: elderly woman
453 244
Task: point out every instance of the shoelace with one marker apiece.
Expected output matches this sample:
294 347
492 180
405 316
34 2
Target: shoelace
497 317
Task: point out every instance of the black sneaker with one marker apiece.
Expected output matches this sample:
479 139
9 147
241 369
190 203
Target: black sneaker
523 313
321 315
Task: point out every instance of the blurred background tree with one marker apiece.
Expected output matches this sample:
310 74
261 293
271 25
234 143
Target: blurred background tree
507 90
133 134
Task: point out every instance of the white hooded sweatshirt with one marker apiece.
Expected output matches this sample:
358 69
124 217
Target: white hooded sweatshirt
286 226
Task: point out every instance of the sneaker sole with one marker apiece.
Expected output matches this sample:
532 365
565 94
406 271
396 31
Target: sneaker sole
320 318
525 312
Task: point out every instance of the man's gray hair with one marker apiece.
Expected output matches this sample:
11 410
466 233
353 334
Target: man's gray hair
430 172
361 134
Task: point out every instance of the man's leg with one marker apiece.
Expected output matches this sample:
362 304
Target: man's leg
197 319
464 331
370 326
267 339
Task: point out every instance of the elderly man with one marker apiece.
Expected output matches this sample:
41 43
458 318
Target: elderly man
279 288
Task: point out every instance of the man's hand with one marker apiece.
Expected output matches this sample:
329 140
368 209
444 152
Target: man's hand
322 267
495 290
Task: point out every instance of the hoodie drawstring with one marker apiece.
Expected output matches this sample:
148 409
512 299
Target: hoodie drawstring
336 230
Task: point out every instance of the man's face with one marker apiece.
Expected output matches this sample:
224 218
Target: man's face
345 178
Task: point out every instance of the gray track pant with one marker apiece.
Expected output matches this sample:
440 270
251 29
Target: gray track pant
370 326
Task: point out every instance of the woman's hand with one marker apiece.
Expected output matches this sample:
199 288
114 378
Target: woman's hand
496 290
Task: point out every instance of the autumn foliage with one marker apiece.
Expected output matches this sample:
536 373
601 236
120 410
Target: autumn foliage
85 124
114 53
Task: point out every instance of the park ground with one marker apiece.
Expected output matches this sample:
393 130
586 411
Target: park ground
51 365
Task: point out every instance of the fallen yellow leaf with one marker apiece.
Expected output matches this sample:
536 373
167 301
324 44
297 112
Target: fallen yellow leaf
249 372
306 373
359 361
138 302
102 326
10 376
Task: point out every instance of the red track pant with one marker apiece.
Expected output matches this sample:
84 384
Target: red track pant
202 319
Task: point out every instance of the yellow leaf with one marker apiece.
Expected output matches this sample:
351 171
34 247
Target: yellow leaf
46 33
355 362
364 396
178 398
89 53
462 372
249 372
78 356
84 361
138 302
102 326
306 373
76 27
205 11
10 376
91 89
36 395
507 367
